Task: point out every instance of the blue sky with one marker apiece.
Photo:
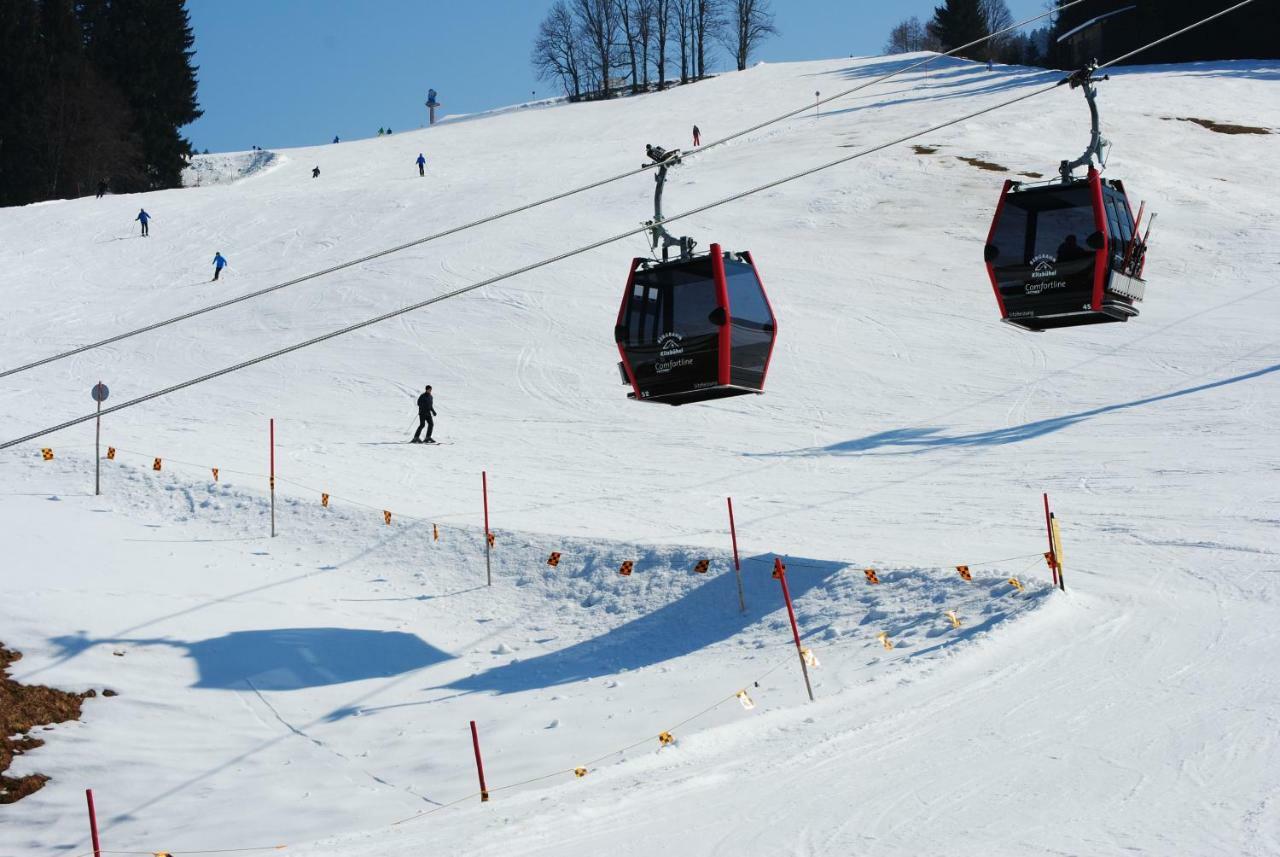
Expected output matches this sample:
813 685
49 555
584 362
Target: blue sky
278 73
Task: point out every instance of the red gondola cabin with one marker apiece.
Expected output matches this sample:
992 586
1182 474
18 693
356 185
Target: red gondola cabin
695 329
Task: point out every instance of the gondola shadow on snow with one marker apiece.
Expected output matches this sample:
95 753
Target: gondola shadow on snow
704 616
909 441
280 659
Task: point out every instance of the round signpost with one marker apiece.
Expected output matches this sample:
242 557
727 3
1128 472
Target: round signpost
99 394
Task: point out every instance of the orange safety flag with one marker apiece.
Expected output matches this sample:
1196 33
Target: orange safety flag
155 465
1015 583
871 575
324 500
111 453
1049 559
964 572
625 569
554 559
809 658
386 517
46 454
665 738
215 473
778 568
579 772
490 538
702 566
435 533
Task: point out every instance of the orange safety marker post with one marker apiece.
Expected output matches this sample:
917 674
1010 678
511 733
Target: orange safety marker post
780 573
46 454
1048 526
111 453
737 566
386 517
157 465
273 477
93 823
871 576
215 473
964 572
554 559
625 568
701 566
488 536
324 500
475 742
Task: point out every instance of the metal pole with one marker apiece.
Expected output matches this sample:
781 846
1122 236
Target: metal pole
97 451
737 566
273 477
93 823
475 743
780 572
488 546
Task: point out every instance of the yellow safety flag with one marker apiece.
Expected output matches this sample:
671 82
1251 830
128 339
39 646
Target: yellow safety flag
883 637
111 453
386 517
155 465
745 699
46 454
665 738
955 620
1015 583
810 659
964 572
435 533
579 772
871 575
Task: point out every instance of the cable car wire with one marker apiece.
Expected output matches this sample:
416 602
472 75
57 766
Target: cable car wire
454 230
369 322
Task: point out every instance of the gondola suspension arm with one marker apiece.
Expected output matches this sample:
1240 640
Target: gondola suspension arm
1084 79
658 234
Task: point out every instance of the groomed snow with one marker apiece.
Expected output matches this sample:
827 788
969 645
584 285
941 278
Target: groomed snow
312 689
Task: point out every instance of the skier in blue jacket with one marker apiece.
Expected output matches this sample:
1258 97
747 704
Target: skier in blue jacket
144 219
218 264
422 165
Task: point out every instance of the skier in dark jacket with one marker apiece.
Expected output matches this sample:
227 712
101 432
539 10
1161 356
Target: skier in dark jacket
422 165
315 172
426 410
218 264
697 137
102 188
144 219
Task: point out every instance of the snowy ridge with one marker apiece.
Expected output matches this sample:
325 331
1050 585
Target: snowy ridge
320 684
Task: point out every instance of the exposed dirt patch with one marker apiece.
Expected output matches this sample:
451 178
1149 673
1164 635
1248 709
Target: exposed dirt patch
23 708
983 165
1034 175
924 150
1221 127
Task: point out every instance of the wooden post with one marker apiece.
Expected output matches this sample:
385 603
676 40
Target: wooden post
273 477
488 545
737 566
475 743
780 572
1048 526
93 823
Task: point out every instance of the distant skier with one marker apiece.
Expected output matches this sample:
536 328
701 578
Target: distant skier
382 132
388 132
218 264
315 172
144 219
335 138
426 410
102 188
697 136
990 67
422 165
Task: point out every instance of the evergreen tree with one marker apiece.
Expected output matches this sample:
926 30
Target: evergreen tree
22 91
959 22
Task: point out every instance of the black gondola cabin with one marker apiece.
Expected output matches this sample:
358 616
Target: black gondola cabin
695 329
1065 254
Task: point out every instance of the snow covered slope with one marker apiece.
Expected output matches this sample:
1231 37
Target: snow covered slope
315 688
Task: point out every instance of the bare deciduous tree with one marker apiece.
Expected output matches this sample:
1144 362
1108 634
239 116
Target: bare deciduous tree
599 22
749 23
558 50
684 33
908 37
707 21
661 35
998 18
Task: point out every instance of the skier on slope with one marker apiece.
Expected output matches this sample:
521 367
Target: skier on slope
144 219
422 165
426 410
218 264
697 136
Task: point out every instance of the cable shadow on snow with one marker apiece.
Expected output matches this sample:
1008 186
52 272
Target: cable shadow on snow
702 617
914 440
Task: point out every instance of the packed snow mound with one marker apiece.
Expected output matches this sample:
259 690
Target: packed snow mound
225 168
313 688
